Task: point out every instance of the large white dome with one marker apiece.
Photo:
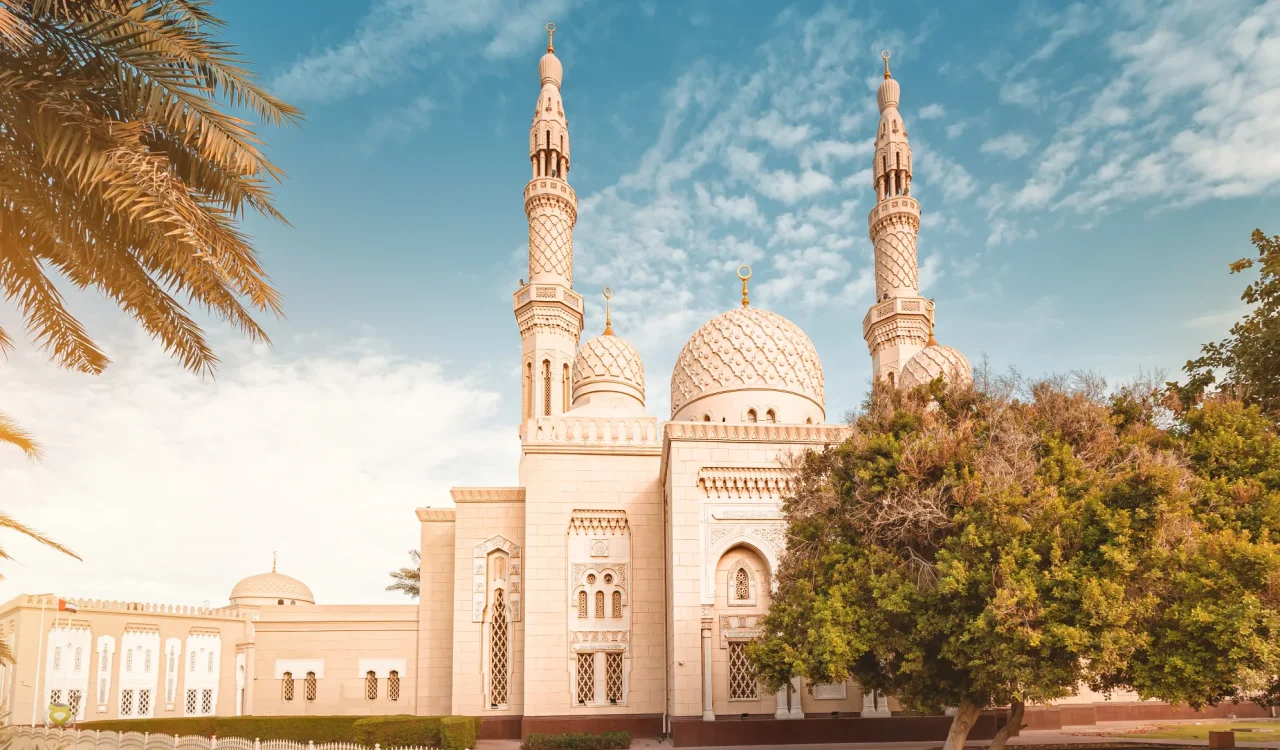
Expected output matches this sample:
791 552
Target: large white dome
607 366
935 361
746 364
271 588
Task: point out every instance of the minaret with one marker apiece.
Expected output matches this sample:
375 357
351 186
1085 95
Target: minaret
548 311
899 322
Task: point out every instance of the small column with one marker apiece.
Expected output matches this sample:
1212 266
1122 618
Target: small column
874 705
797 707
708 711
784 699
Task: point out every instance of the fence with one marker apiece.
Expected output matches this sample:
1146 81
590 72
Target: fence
39 738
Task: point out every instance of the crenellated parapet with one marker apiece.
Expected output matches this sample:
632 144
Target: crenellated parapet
111 605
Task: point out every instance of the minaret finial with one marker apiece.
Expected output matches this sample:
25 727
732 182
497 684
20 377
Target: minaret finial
551 31
885 56
608 325
744 281
273 562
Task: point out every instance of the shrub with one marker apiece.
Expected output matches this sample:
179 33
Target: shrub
396 731
459 732
578 741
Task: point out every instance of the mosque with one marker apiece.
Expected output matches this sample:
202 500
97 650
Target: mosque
616 586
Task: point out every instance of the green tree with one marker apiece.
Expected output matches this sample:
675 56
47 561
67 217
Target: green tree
1246 364
999 545
408 579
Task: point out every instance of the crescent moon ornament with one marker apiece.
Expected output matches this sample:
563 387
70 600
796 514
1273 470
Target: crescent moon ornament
551 31
608 325
884 55
744 273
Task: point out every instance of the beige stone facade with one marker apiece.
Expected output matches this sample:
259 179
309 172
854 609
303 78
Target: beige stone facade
620 581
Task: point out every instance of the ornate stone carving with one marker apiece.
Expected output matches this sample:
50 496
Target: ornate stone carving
479 569
747 483
761 433
738 628
746 348
599 547
551 220
605 522
608 358
595 433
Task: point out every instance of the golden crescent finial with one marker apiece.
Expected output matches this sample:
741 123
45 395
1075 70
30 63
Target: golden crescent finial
745 277
273 562
608 325
551 30
884 55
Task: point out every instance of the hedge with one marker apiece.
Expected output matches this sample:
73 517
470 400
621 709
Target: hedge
388 731
578 741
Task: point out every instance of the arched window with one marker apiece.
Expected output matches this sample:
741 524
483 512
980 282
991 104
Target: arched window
564 388
771 416
286 686
808 420
546 387
599 604
528 389
371 686
706 417
617 604
498 652
741 585
582 604
279 601
751 416
311 686
393 685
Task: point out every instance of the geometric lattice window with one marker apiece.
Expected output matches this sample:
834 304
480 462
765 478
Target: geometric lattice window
102 689
144 702
206 702
498 650
586 678
102 667
599 604
191 702
617 604
371 686
613 676
546 387
393 686
57 658
741 585
170 684
210 661
128 660
126 703
582 604
78 654
73 702
193 661
286 686
55 697
310 685
742 676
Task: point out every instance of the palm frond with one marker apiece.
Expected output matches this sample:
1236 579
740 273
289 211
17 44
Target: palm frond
12 434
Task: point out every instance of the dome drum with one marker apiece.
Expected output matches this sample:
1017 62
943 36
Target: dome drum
608 371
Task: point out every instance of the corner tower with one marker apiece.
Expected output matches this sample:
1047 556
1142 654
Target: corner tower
548 311
898 324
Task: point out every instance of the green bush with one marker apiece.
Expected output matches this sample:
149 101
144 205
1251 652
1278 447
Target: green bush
459 732
578 741
396 731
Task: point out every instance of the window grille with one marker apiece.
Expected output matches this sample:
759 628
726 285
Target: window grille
582 604
206 702
78 652
172 658
57 658
146 662
742 677
102 691
311 686
741 585
144 702
613 676
191 702
128 660
564 388
586 678
126 703
102 665
393 686
169 685
371 686
55 696
599 604
498 651
210 661
286 686
546 387
193 661
617 604
73 702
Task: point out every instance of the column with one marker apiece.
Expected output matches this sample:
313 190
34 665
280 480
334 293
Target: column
797 707
784 700
708 711
874 704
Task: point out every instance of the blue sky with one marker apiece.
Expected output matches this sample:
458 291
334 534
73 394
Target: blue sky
1085 171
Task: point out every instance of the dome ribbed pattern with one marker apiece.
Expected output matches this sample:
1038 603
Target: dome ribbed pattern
550 70
272 586
608 359
888 94
935 361
747 348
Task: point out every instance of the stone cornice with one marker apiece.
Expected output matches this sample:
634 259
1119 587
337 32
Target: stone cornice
437 514
593 434
744 481
487 494
754 433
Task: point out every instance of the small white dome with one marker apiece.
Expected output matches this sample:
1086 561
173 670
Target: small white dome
271 588
607 364
756 356
935 361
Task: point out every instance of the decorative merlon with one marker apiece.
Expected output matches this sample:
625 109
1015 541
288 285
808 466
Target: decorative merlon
437 514
599 522
487 494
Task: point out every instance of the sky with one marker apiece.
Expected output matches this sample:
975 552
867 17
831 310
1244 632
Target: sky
1085 172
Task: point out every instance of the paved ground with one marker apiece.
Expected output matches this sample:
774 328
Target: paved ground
1079 735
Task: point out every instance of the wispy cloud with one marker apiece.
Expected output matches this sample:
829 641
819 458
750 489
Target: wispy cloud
932 112
397 125
1009 145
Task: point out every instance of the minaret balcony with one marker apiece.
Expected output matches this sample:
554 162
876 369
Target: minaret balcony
902 204
540 186
534 293
885 313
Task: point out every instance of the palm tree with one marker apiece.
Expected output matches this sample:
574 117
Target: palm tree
123 168
408 580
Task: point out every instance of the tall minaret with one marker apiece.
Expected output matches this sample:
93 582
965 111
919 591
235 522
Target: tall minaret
548 311
898 323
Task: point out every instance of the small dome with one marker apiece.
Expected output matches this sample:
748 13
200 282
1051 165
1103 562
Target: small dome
888 94
550 70
935 361
756 356
271 588
607 364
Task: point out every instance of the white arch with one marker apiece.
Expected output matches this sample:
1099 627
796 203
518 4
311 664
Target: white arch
760 546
